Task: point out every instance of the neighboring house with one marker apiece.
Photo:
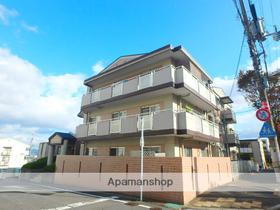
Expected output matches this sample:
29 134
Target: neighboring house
43 150
60 144
13 153
165 88
229 136
256 150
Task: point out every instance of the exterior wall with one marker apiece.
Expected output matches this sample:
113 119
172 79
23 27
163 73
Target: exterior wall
56 140
43 150
85 164
170 145
17 156
166 144
133 108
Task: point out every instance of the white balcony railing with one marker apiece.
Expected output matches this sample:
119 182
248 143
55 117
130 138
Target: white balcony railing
162 120
92 128
145 81
153 78
115 126
194 122
148 122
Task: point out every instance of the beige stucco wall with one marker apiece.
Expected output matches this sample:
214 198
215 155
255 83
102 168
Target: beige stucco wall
133 108
56 140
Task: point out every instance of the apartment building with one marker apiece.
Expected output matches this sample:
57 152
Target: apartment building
167 91
13 154
229 137
257 150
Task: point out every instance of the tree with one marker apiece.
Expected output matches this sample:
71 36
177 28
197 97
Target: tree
247 84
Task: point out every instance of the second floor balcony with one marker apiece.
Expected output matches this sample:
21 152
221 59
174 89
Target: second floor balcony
164 122
168 76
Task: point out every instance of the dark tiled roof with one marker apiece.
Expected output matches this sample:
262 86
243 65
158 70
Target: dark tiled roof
67 136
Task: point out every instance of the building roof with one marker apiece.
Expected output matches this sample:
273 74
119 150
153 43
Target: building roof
127 60
67 136
121 60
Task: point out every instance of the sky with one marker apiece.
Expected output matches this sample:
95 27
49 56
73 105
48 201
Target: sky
47 49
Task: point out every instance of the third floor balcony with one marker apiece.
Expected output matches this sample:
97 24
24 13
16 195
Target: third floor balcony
180 79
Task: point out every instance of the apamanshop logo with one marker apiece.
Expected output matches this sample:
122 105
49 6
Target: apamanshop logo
139 182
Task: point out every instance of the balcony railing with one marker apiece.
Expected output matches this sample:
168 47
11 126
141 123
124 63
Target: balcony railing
196 123
229 116
150 79
162 120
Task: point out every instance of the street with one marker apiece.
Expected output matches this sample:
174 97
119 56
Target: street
31 196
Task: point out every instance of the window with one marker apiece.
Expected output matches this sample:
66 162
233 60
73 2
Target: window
118 115
117 151
93 119
151 150
146 113
92 151
7 151
187 152
149 109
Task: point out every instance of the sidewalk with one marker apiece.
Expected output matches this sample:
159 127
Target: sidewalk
236 200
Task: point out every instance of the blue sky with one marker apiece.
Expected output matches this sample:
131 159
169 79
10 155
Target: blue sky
64 39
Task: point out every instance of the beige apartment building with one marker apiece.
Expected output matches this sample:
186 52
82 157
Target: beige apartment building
168 91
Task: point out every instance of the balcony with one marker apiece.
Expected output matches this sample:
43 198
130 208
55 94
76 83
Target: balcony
168 75
158 123
191 122
232 138
246 150
229 116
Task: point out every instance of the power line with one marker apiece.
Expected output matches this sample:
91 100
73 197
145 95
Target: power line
237 66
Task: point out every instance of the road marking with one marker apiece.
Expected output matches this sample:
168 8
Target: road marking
75 205
79 204
144 206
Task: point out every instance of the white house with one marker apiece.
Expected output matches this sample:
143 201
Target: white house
13 153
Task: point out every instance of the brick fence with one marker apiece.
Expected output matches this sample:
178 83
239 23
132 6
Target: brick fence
189 165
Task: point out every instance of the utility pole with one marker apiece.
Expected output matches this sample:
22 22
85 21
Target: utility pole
255 32
142 143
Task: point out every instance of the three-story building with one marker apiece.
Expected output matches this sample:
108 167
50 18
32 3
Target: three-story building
167 90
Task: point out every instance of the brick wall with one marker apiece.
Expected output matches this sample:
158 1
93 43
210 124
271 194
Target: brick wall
206 165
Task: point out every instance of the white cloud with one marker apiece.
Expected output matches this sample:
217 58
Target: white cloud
31 102
99 66
274 65
30 28
6 14
275 48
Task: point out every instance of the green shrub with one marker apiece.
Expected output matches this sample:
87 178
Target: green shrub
37 164
50 168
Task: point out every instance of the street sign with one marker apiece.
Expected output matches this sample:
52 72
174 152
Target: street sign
267 131
263 114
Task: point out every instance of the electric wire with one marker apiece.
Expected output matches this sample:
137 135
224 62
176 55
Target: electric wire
237 65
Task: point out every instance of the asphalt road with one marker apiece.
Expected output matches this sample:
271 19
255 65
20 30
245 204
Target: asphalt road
31 196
